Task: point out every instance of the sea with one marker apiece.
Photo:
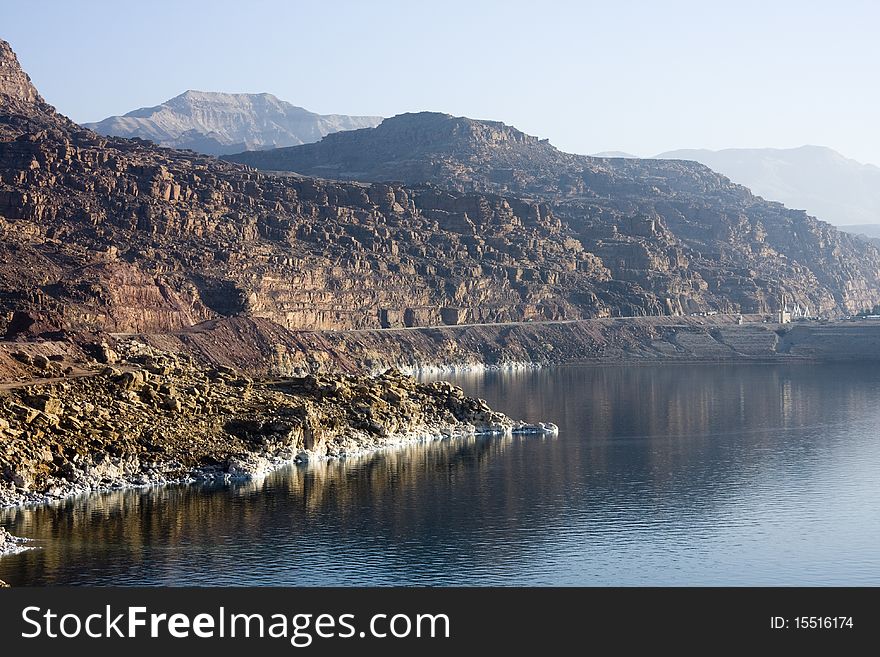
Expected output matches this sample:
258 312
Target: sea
661 475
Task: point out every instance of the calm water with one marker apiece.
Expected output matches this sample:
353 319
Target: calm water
660 475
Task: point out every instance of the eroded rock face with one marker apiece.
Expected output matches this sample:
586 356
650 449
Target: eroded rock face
110 234
15 85
685 235
107 234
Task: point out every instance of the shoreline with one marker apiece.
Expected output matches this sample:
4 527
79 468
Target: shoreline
262 467
273 350
160 411
470 368
155 418
256 466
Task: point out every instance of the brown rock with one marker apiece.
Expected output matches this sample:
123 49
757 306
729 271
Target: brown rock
45 403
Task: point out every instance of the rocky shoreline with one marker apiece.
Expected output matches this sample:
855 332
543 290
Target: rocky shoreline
239 398
151 418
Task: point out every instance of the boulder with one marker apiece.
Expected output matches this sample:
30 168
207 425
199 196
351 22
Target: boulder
106 355
45 403
131 380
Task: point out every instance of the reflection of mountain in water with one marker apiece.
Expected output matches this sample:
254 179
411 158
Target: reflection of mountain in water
653 464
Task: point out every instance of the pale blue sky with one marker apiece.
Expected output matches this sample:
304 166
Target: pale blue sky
637 76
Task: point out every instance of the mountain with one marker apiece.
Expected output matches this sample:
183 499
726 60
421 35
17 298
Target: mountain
217 123
110 234
106 234
16 90
814 178
684 234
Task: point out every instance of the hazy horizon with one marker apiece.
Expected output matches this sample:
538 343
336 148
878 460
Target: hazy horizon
634 77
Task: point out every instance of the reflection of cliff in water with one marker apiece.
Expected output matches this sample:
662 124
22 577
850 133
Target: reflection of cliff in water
641 450
374 489
669 426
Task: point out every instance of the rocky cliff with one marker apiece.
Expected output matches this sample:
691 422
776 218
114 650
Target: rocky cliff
216 123
15 85
117 235
686 235
109 234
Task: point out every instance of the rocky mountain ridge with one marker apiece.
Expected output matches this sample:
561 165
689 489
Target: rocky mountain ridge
216 123
686 235
116 235
109 234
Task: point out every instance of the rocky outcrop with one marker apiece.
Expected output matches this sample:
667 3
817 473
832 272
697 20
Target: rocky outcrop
15 85
156 417
216 123
686 236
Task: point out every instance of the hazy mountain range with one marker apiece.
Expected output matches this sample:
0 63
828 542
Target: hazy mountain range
217 123
817 179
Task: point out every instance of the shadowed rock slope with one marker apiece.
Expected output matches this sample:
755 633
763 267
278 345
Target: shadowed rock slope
684 234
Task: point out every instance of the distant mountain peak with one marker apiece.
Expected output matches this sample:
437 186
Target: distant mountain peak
448 132
460 125
218 122
194 95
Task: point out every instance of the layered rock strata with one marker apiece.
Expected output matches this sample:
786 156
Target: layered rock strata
116 235
685 236
264 349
